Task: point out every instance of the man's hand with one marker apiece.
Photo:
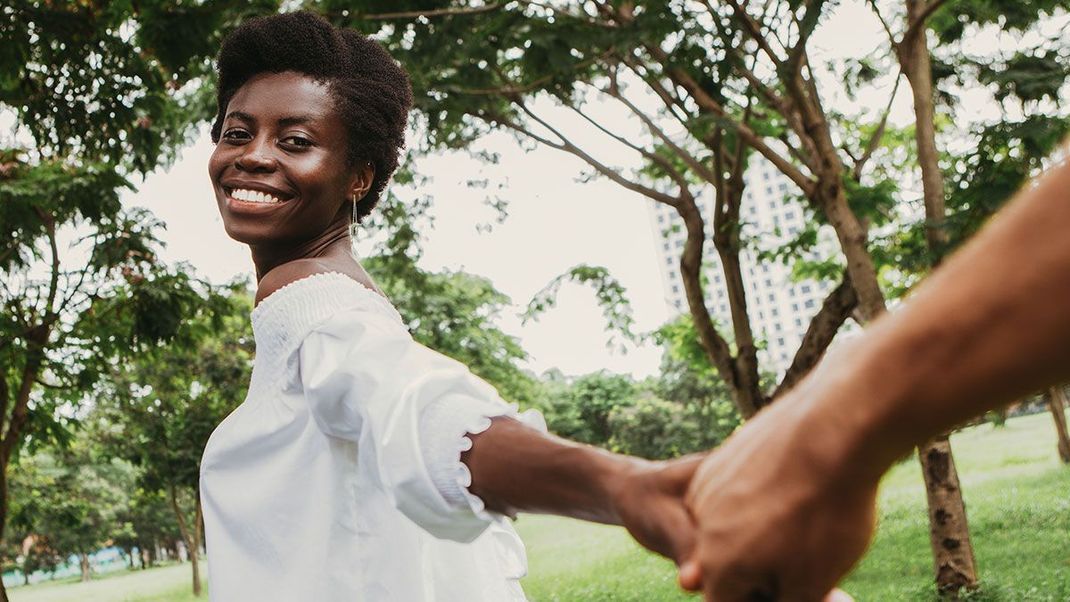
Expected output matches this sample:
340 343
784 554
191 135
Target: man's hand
776 518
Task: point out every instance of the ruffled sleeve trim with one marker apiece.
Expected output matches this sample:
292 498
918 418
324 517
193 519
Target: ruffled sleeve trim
455 486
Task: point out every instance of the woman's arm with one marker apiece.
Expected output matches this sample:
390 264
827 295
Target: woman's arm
786 506
518 468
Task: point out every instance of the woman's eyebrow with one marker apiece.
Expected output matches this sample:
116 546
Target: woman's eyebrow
241 116
282 122
296 120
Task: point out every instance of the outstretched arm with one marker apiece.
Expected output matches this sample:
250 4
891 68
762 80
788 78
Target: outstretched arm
786 506
517 468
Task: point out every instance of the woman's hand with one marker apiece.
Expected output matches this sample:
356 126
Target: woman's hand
649 499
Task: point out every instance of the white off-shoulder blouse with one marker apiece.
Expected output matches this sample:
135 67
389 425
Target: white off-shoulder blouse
339 478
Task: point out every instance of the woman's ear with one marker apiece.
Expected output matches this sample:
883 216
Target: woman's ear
364 175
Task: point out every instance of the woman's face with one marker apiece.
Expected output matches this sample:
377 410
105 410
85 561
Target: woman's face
279 170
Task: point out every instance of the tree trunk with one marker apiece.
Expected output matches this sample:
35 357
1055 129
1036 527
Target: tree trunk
949 532
1057 404
949 535
3 517
190 538
83 561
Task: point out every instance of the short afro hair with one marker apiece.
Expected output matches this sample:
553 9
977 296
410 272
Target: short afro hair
371 91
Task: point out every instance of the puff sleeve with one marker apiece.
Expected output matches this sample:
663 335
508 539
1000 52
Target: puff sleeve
409 408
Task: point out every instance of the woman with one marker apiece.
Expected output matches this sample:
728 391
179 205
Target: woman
363 466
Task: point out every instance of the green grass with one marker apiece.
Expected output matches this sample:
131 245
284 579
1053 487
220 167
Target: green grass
1018 498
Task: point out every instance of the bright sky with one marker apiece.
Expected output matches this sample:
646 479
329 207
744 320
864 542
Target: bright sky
554 223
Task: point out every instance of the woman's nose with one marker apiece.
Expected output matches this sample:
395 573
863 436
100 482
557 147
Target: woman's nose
256 156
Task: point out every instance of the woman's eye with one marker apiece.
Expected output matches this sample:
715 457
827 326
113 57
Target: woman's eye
236 135
297 141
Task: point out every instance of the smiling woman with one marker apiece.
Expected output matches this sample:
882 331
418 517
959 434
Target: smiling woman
362 465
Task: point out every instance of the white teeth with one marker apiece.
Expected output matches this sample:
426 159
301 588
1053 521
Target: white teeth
253 196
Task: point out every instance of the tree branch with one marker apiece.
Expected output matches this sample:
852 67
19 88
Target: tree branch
672 103
919 22
701 170
717 349
439 12
835 310
884 24
708 104
753 29
875 139
793 64
657 159
569 147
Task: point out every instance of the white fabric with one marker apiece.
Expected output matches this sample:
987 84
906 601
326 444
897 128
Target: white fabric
444 428
318 487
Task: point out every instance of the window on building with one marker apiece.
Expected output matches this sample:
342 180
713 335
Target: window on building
679 243
777 327
769 191
666 245
780 341
765 175
809 303
798 322
661 218
783 187
772 298
675 289
776 312
794 307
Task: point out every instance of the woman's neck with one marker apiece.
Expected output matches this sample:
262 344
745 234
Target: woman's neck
332 244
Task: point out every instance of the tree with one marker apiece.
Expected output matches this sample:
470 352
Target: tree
102 92
949 535
1057 405
164 404
69 502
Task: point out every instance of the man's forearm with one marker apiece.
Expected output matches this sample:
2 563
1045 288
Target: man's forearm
991 324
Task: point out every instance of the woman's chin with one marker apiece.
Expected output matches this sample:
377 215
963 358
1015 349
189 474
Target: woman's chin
248 236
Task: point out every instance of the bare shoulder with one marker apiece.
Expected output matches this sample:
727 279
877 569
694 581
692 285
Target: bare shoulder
302 268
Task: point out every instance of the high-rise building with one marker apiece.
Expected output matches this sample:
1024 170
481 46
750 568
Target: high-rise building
780 308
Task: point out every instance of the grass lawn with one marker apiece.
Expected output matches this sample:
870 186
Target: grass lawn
1019 509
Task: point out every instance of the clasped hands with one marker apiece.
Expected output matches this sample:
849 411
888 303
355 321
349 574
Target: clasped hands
766 516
